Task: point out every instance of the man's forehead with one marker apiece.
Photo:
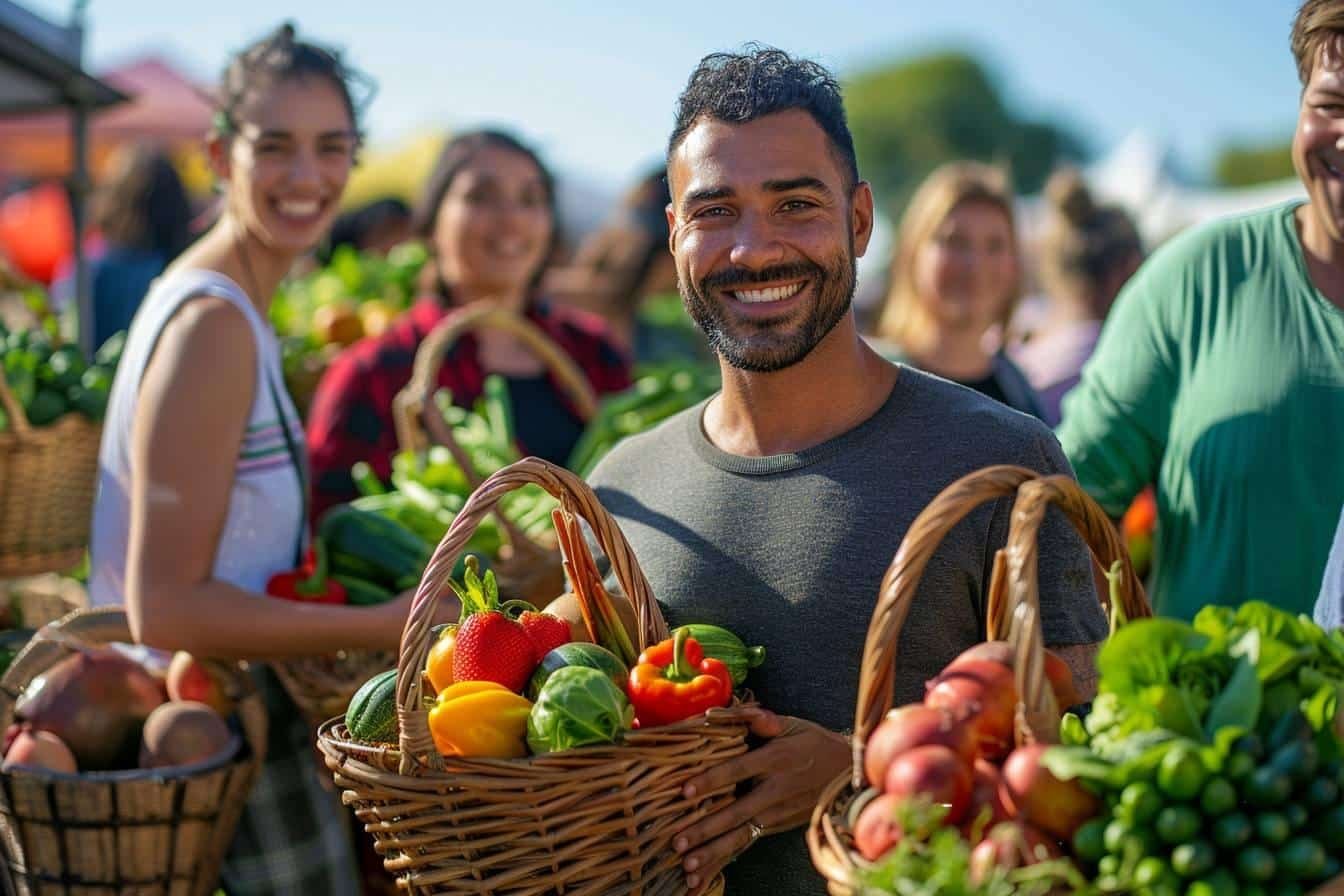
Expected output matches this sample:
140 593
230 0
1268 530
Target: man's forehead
783 146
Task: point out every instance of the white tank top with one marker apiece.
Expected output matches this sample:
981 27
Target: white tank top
266 507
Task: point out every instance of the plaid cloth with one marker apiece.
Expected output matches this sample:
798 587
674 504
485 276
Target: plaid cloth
350 418
294 838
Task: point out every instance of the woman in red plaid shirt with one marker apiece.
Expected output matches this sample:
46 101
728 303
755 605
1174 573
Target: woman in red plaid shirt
488 216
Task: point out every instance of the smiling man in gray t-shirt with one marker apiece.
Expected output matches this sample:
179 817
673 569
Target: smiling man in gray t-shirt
774 508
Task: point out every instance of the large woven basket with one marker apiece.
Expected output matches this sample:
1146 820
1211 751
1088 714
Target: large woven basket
1014 612
526 569
47 480
102 833
596 821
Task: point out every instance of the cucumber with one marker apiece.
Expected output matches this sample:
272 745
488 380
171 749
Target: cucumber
373 710
723 645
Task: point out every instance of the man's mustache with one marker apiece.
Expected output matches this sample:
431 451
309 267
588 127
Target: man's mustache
729 278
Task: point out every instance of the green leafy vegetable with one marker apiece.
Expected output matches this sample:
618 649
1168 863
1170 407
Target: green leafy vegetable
577 706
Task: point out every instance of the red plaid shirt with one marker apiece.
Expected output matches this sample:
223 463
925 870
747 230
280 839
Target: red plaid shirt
351 415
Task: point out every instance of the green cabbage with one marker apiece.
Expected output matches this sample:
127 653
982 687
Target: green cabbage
577 706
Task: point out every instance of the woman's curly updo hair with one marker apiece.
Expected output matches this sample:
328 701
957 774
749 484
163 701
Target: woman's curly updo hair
280 56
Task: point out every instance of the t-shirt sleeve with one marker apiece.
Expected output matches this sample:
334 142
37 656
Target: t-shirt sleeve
1070 610
1330 604
1115 422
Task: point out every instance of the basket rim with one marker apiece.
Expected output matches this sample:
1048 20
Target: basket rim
230 754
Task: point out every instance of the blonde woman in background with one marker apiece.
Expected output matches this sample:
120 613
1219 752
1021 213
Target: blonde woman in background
1087 253
955 281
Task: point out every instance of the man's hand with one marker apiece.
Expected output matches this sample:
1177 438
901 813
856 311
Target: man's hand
789 772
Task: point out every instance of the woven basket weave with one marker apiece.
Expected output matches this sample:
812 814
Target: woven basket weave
47 479
162 832
1014 613
596 821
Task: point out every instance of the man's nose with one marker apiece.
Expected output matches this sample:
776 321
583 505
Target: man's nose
756 244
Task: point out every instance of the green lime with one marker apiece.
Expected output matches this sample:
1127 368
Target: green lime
1239 766
1322 793
97 379
1089 841
1141 802
1233 831
1296 815
1109 865
1267 787
1150 870
63 369
1219 797
1298 760
1272 828
1331 829
1219 882
1255 864
1117 831
1301 858
47 406
1178 824
1194 859
1181 775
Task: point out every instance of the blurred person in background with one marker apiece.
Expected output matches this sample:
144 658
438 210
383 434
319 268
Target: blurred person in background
377 227
1219 376
1330 602
201 484
488 217
955 280
143 219
624 264
1087 253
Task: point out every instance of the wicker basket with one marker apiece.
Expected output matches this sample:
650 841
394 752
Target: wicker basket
526 569
47 480
596 821
1013 609
102 833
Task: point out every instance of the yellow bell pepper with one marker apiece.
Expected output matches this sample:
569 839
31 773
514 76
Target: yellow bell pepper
481 720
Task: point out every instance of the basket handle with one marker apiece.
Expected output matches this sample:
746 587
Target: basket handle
1017 560
23 430
413 407
1038 712
576 497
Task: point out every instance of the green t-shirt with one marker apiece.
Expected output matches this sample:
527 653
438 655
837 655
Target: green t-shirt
1219 377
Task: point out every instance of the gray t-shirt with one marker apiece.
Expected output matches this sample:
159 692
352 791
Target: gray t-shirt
788 551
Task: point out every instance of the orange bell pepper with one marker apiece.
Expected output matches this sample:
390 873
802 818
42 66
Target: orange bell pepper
480 720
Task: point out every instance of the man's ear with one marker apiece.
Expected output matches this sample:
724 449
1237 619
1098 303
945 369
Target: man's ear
671 229
861 216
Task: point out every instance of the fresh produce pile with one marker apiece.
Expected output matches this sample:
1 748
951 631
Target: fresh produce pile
1217 750
953 806
355 295
429 488
100 710
52 380
658 393
510 681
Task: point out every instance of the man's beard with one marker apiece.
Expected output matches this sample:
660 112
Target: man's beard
764 346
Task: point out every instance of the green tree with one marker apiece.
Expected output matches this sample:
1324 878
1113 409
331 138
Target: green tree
1242 165
910 116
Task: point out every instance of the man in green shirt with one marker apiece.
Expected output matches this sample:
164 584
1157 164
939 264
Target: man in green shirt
1219 377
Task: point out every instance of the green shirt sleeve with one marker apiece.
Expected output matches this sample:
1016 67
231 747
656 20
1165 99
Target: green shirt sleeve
1115 422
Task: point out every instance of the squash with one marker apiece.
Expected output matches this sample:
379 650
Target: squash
372 714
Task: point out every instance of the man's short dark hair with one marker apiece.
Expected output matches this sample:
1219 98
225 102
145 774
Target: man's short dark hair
742 87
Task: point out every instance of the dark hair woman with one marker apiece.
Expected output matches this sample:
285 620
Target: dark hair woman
201 486
488 216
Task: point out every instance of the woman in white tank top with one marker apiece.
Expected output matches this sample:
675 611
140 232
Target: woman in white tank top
202 490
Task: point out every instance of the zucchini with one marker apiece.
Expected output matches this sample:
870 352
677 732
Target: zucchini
723 645
373 710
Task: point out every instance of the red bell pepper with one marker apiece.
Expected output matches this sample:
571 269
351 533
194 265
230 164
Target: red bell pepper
308 583
674 680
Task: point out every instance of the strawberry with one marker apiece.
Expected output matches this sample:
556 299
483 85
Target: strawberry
546 631
492 647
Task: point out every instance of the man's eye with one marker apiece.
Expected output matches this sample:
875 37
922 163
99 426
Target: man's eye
713 211
270 149
794 205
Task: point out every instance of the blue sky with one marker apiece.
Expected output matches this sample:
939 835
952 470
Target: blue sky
593 84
